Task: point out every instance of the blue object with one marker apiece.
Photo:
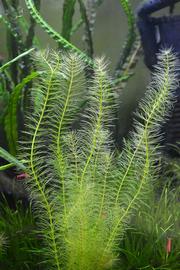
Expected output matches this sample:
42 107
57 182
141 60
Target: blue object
158 33
148 7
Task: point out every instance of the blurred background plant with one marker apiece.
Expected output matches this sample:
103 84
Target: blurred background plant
153 240
20 246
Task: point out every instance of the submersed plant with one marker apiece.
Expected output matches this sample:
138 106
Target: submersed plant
19 244
153 241
82 191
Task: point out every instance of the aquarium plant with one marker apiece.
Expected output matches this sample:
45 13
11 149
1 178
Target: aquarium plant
15 71
152 242
21 246
85 199
84 192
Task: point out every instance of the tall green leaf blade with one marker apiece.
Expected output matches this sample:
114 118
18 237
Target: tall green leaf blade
11 121
4 98
68 12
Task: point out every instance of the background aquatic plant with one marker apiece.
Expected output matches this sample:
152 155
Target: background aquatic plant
10 102
145 246
21 245
88 14
83 193
20 38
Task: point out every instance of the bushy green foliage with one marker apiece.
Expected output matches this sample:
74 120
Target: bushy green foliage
146 242
83 192
21 244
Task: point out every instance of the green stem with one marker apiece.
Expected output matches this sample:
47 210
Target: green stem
7 166
15 59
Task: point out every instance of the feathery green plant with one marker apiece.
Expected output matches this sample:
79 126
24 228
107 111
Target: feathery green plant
83 193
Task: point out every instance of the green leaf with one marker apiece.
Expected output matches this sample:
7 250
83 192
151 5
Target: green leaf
68 12
11 121
6 65
4 98
7 156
